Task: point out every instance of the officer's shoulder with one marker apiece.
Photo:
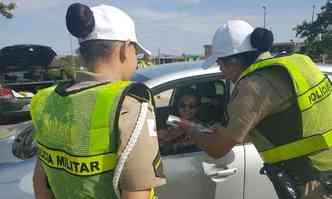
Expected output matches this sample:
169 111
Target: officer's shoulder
136 94
274 78
257 78
139 92
273 73
133 102
130 101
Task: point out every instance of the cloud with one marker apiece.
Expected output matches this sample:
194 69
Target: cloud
174 26
25 6
184 21
178 32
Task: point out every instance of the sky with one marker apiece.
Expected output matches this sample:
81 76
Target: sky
166 26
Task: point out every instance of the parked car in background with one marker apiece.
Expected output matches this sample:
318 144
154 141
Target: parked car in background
191 172
23 70
22 73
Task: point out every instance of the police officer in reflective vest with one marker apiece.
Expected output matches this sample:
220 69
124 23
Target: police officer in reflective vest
283 103
96 134
144 62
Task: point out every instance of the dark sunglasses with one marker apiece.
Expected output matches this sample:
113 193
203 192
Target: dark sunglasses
190 106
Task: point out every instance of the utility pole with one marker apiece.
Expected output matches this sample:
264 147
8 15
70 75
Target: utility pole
313 13
71 50
264 7
159 56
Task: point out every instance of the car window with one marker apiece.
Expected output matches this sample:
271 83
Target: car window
162 99
211 106
220 87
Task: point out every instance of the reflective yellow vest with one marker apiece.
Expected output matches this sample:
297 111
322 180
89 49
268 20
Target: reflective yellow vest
314 100
77 139
141 64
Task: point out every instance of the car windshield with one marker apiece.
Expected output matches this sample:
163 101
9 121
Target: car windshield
138 77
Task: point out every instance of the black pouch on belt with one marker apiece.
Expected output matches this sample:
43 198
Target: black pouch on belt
327 183
284 185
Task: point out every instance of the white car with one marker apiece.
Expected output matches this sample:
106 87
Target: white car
191 173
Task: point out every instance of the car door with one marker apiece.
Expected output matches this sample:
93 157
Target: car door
256 185
15 174
196 176
253 179
191 173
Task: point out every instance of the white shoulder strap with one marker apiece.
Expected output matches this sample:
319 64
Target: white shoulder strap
131 144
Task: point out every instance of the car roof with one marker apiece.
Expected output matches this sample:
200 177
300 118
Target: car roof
23 57
158 74
326 68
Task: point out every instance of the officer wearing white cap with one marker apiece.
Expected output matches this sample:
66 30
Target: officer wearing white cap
283 103
96 135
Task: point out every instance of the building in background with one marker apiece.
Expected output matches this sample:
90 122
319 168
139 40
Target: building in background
166 58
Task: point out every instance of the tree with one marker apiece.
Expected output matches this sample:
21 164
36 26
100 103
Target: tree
69 64
317 34
6 9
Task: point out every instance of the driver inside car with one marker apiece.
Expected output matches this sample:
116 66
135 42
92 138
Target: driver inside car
173 138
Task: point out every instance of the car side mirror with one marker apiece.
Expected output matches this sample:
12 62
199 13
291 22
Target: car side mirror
24 146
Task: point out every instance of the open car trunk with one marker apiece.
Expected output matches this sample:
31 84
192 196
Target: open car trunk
23 71
25 57
24 67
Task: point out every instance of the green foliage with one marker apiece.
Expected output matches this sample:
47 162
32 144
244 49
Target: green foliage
317 34
56 74
68 64
6 9
66 61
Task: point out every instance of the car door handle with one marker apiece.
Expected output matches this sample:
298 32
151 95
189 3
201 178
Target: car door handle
222 175
226 172
213 170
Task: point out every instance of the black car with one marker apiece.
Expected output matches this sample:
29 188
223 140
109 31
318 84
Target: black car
23 71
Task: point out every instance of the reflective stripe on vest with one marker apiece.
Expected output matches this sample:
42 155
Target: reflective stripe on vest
77 165
299 148
315 94
313 91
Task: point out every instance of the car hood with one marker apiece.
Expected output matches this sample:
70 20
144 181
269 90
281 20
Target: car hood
23 57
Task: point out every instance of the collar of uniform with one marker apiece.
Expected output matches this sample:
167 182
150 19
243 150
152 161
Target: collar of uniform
86 79
264 55
83 76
